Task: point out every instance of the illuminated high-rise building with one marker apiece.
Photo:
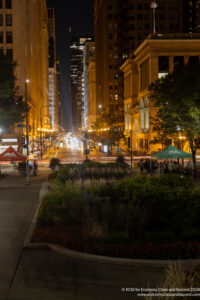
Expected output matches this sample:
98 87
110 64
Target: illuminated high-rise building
24 36
120 27
53 90
191 16
89 86
77 48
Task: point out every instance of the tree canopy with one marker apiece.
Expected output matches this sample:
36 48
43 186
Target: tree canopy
12 107
111 133
177 100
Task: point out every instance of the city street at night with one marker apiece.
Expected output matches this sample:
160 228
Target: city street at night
99 149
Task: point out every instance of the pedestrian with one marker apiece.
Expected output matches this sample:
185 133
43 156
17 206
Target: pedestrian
141 165
35 168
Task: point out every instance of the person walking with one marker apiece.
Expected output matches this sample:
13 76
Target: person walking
141 165
35 168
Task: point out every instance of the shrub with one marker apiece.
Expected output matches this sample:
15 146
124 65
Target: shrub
158 210
53 163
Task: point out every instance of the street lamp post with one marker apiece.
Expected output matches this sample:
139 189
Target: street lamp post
27 133
131 140
154 6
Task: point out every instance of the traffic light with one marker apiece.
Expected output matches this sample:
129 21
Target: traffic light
85 144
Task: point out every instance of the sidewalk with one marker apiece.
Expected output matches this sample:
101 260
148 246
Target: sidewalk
17 206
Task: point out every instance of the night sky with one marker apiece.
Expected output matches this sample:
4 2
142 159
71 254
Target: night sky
77 14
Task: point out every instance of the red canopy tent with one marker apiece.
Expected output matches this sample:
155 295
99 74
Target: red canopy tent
11 155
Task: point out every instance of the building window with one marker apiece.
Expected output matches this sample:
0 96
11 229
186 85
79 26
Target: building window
0 3
1 20
194 59
163 66
146 113
140 6
9 37
136 126
142 114
8 20
141 143
178 60
140 17
8 4
10 53
1 37
146 144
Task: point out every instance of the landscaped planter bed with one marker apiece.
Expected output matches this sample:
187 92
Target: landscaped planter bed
140 217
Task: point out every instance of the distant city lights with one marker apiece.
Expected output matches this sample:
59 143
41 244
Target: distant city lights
73 142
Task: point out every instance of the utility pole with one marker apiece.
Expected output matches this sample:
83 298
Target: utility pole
27 134
131 140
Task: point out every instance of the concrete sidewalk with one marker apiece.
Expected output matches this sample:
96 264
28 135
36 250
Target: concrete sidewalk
18 203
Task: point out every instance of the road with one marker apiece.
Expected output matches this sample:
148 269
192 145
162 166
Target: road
77 156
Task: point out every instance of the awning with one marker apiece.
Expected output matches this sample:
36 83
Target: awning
11 155
171 153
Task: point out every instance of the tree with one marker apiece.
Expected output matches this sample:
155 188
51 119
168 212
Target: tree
12 107
107 130
177 99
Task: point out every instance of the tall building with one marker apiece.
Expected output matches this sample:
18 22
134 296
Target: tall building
24 36
53 89
77 48
89 85
60 116
191 15
120 27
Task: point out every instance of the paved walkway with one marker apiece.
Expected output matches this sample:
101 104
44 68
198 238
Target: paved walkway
45 275
17 206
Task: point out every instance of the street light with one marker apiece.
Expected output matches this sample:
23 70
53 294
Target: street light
154 5
27 135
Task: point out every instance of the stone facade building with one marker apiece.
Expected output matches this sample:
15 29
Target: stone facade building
154 58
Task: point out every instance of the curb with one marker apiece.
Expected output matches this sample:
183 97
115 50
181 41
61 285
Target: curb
44 189
110 260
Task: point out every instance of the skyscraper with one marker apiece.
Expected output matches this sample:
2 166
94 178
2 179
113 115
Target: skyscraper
24 36
77 48
120 27
191 16
89 85
53 90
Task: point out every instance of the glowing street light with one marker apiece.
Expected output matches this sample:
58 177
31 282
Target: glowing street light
154 5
